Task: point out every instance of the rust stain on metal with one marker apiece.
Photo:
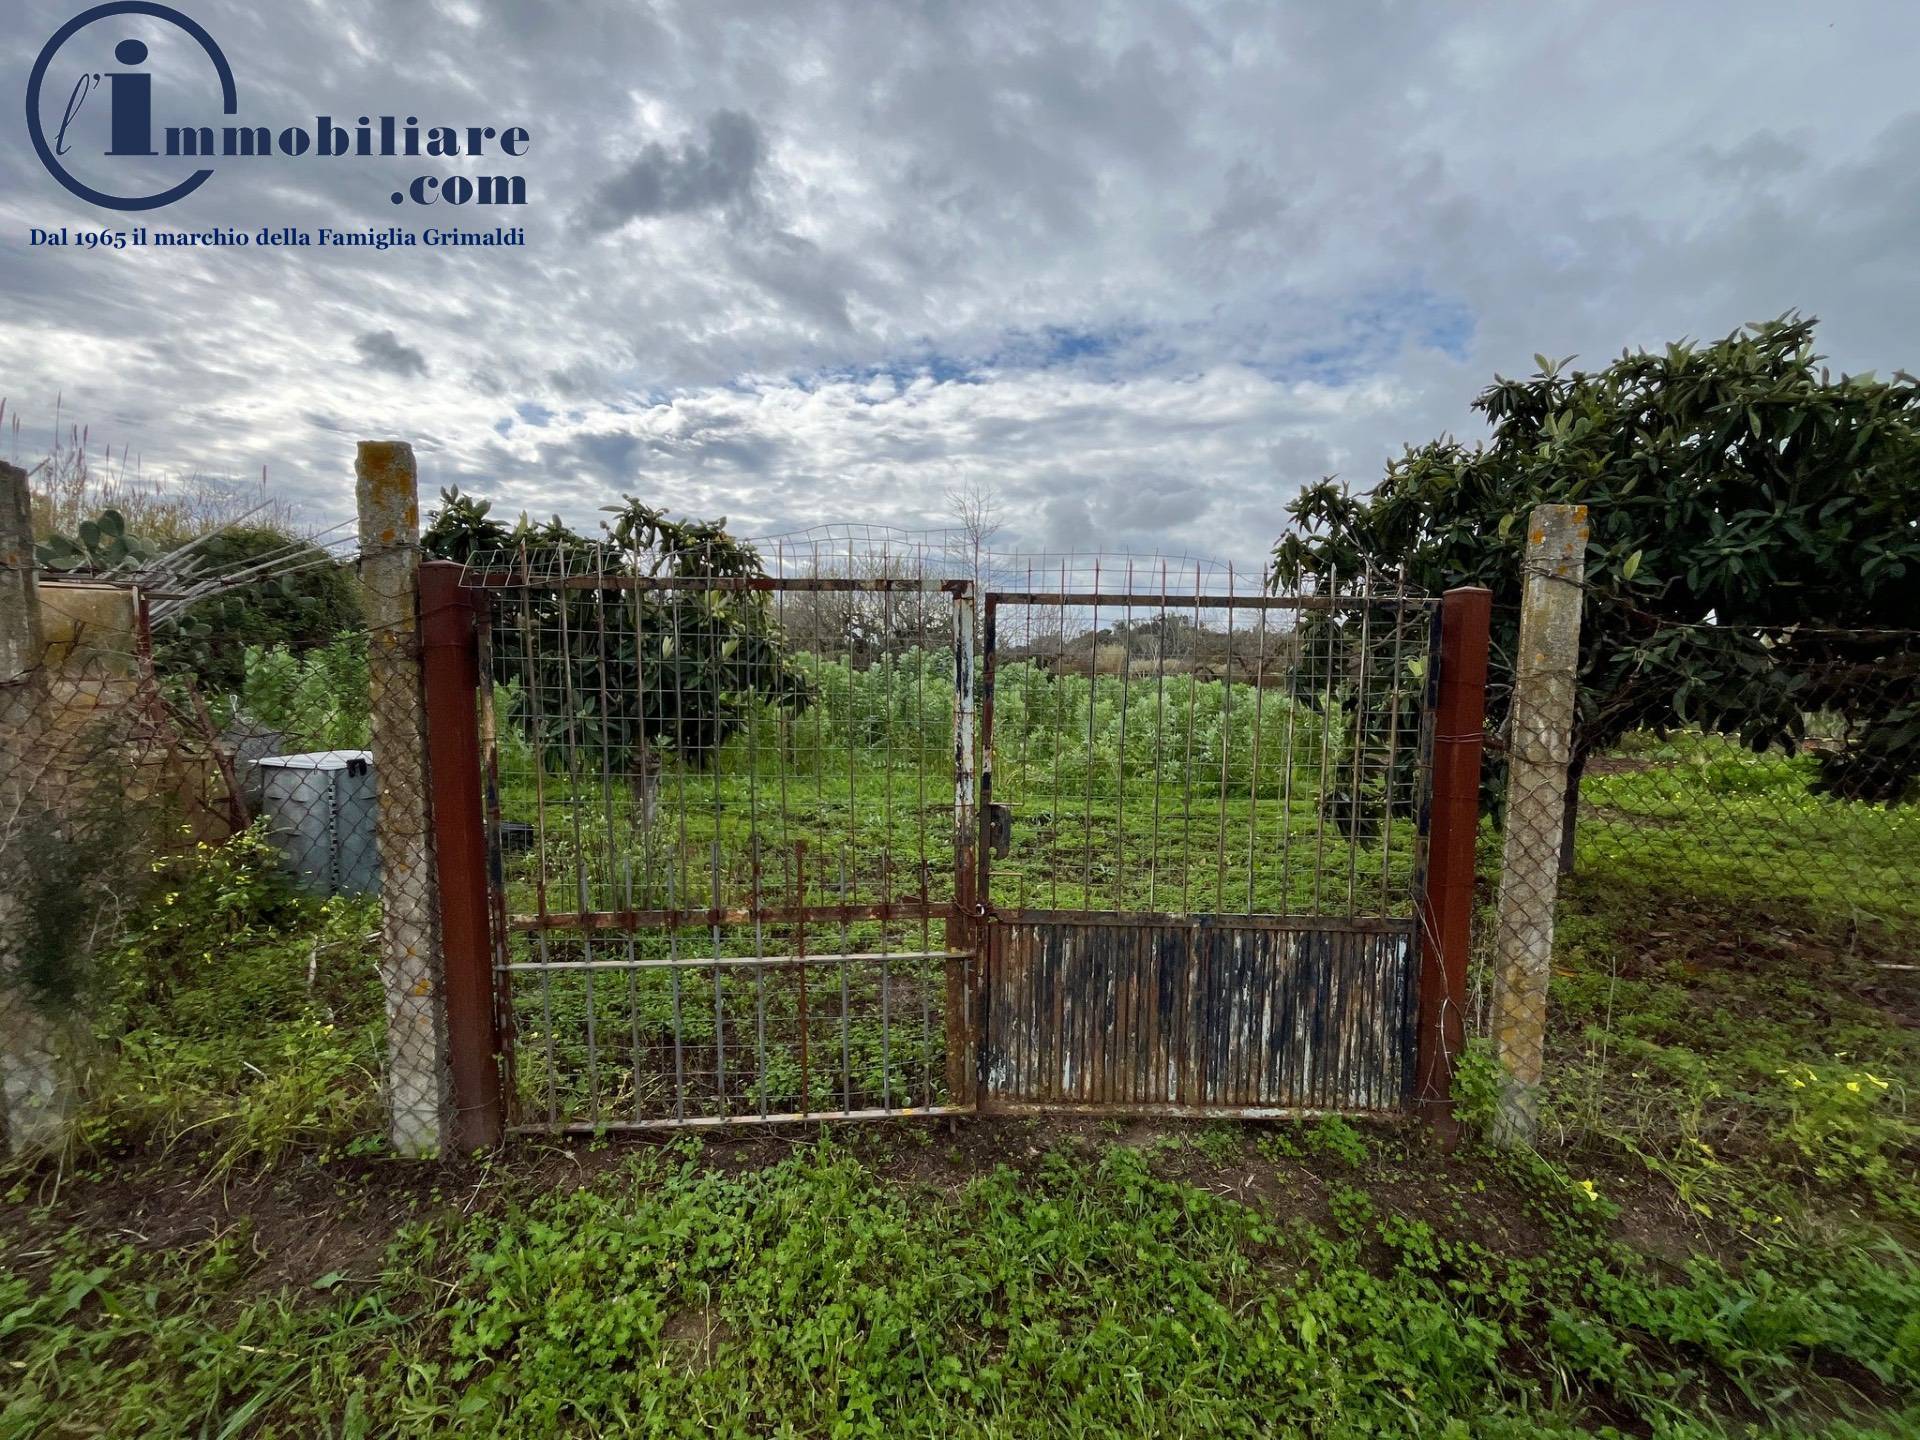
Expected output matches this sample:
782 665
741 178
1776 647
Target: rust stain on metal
1446 901
1219 1017
705 917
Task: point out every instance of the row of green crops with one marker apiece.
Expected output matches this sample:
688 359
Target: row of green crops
1203 733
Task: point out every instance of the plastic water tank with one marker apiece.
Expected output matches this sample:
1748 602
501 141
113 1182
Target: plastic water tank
320 810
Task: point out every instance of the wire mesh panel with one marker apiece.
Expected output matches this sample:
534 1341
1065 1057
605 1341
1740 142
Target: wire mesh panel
1818 820
724 815
1201 841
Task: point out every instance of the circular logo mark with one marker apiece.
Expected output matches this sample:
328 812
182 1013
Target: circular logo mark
132 126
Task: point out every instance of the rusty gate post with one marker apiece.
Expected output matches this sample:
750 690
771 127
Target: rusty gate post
450 678
1446 907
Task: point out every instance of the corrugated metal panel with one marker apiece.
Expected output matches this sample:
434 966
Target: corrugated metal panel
1210 1015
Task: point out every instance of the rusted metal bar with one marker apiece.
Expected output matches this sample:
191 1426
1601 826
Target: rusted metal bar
711 1122
450 677
1446 906
1183 1111
741 962
704 917
1357 924
614 580
1226 601
962 922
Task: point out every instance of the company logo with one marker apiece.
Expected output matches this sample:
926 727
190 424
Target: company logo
132 170
130 96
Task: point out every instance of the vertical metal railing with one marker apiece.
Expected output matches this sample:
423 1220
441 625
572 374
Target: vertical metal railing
730 822
1187 750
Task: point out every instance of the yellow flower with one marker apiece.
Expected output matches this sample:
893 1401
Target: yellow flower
1587 1188
1854 1086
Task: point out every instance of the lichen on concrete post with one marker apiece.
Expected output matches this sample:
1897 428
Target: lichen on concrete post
1540 744
35 1082
419 1088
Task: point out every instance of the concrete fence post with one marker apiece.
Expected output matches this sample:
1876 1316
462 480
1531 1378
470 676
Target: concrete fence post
19 593
35 1083
419 1079
1545 679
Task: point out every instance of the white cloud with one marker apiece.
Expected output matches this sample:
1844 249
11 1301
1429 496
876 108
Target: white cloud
1146 269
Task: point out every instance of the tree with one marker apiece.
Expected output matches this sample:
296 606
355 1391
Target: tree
274 589
978 518
1754 550
678 670
302 597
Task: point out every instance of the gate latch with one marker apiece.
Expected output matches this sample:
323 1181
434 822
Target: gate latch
1000 830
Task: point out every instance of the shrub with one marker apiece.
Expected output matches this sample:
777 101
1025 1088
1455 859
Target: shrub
318 701
304 604
238 1009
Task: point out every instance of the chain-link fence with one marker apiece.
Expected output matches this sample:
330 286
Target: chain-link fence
92 758
1813 823
271 685
1788 803
145 728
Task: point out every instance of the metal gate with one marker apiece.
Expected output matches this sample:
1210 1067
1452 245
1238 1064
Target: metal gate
729 824
1203 838
736 873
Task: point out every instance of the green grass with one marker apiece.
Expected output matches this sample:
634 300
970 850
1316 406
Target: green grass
1715 1237
1186 795
1093 1289
1704 814
234 1015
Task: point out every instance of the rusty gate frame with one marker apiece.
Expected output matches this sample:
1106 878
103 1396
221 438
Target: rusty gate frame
474 923
1435 933
476 920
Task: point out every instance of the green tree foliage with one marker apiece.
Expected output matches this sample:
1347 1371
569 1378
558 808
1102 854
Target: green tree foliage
628 671
316 701
1754 551
304 600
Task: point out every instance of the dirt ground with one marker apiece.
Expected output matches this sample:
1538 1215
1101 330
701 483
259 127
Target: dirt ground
307 1218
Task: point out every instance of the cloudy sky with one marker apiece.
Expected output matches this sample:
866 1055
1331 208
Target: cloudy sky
1143 268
